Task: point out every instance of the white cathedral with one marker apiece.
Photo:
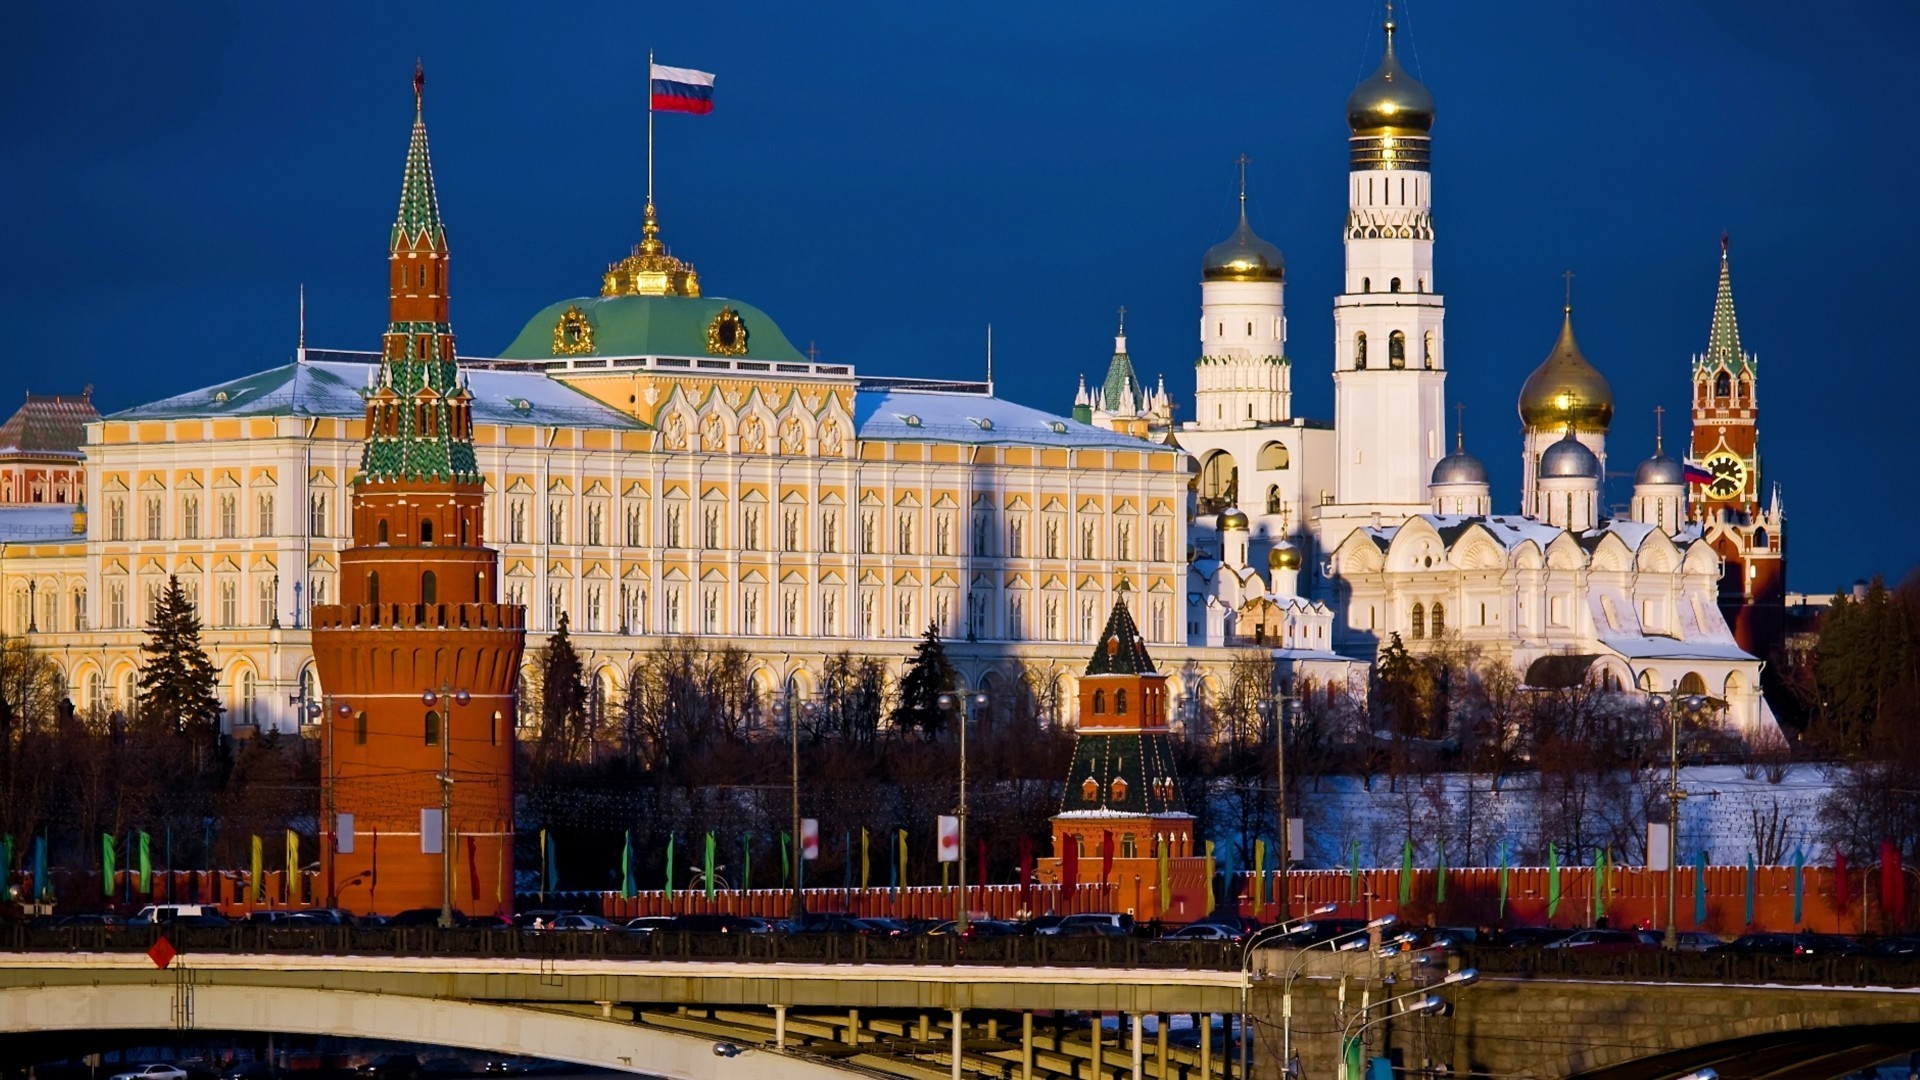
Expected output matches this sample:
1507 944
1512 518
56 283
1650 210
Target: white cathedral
1324 539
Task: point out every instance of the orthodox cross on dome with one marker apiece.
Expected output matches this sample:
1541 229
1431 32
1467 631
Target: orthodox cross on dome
813 353
1123 320
1568 275
1460 426
1659 415
1242 162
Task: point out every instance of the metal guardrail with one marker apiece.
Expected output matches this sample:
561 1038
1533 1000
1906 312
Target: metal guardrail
1686 967
1010 951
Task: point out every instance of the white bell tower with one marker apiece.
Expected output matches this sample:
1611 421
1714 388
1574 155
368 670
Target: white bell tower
1243 377
1389 340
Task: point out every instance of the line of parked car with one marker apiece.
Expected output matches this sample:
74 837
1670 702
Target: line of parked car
388 1066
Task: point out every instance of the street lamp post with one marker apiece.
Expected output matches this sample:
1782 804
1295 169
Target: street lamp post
1429 1003
450 697
969 703
798 908
1246 970
1283 710
1674 704
319 712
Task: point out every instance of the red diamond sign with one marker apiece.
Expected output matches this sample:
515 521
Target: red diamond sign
162 953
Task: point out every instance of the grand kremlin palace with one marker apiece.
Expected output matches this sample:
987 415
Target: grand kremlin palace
659 462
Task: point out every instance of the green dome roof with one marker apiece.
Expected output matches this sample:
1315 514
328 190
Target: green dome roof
649 326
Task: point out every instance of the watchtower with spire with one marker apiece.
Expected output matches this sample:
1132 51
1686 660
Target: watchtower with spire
1743 520
418 662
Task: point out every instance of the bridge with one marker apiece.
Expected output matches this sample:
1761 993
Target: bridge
735 1006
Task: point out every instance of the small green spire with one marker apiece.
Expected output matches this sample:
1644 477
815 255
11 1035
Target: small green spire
1723 339
419 205
1122 393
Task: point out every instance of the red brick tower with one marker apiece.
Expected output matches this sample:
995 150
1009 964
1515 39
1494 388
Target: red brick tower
1750 537
419 660
1124 784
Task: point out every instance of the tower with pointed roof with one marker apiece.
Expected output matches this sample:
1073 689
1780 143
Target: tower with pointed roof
1121 403
418 662
1243 378
1740 517
1389 333
1123 789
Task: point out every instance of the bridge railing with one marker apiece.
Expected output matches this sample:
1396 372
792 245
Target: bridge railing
671 946
1662 966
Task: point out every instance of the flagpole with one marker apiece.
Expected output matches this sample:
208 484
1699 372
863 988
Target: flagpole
649 127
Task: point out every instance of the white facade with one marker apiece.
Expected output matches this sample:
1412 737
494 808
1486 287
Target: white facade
1243 378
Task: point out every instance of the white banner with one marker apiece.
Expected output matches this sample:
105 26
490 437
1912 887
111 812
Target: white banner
1657 846
810 838
430 831
343 834
949 838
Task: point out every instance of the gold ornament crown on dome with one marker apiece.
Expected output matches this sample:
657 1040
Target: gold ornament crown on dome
650 270
573 334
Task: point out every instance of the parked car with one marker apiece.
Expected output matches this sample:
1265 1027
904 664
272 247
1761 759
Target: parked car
897 928
1695 941
1041 925
424 916
1893 946
1824 945
96 918
487 922
648 924
1091 924
1530 937
1316 931
166 913
833 924
251 1070
1758 945
718 924
582 922
525 920
1201 931
152 1072
976 928
391 1067
1608 941
371 921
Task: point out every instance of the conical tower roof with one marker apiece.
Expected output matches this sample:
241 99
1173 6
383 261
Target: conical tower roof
1723 338
1120 651
419 217
1120 393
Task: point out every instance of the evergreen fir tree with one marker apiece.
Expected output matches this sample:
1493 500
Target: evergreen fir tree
176 678
563 697
928 675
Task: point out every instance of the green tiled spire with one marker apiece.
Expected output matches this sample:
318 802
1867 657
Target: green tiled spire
419 217
1121 393
1723 340
1120 650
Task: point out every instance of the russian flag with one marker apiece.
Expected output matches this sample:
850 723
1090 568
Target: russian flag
682 90
1697 475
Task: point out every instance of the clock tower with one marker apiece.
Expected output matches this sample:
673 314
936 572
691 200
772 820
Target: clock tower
1743 521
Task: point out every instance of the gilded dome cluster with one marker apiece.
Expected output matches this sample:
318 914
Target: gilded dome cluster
1566 390
1390 101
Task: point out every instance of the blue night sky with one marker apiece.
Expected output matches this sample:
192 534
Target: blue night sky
885 180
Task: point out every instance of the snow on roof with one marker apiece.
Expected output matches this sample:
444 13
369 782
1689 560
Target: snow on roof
1634 533
44 522
1641 647
332 387
976 419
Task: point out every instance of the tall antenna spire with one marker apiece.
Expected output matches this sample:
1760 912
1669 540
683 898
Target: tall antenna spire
300 348
989 359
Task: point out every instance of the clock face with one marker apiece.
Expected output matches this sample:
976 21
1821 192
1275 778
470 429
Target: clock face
1729 475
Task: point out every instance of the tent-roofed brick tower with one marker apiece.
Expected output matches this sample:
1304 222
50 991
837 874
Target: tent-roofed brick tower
1124 784
418 613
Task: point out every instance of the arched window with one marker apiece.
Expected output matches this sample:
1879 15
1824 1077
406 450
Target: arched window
1396 350
466 531
1274 456
1119 703
1426 355
433 728
1722 386
429 588
373 586
380 532
1090 790
1394 285
1439 619
1419 621
1692 683
246 691
1360 351
1099 702
360 728
1366 284
1273 499
426 531
1118 790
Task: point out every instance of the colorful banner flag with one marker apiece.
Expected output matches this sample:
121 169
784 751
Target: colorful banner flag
626 867
681 90
669 886
1553 880
1700 889
1069 866
293 868
1406 872
551 861
746 862
1353 883
1106 857
1599 884
866 861
543 866
1893 884
947 842
706 867
809 841
1504 874
473 867
42 886
1259 876
1752 887
146 863
903 858
373 867
106 864
1210 894
1799 883
258 892
786 858
1842 886
1440 873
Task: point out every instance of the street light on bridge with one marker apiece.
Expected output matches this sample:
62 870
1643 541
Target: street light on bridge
970 705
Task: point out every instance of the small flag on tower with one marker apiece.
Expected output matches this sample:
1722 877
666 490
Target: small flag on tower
682 90
1696 474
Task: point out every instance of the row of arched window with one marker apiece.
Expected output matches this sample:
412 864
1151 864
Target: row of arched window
1366 285
1119 702
1396 351
1420 616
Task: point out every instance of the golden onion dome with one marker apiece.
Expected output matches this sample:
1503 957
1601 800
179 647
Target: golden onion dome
1390 101
1566 391
1232 518
1284 556
1243 256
